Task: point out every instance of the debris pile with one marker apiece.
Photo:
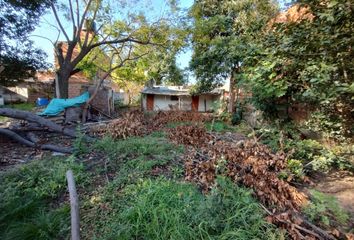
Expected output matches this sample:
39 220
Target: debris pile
131 124
245 162
134 123
253 165
193 135
162 118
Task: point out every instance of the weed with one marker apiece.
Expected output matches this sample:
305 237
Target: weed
164 209
25 212
325 208
136 157
80 143
218 126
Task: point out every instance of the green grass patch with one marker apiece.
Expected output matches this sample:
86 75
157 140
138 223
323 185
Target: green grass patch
326 210
177 124
219 126
136 157
165 209
28 194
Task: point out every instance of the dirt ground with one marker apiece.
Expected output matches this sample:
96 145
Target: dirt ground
339 184
13 153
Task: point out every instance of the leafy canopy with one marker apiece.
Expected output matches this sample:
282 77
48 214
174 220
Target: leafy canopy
18 58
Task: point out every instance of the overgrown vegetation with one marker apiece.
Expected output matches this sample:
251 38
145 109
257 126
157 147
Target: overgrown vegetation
163 209
30 206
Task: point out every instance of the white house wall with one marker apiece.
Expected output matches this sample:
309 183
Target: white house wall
164 103
210 99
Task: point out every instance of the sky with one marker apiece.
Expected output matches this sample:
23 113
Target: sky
51 33
155 8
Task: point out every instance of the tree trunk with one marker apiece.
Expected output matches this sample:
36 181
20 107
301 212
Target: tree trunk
232 93
62 83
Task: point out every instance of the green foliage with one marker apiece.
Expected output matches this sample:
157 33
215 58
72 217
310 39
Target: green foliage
80 144
316 156
162 209
23 106
307 61
26 191
325 208
295 167
305 155
17 54
136 157
224 35
218 126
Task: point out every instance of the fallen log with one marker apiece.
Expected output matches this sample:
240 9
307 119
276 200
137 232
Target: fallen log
34 144
51 147
31 117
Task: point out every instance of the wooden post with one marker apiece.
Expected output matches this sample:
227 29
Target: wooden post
74 206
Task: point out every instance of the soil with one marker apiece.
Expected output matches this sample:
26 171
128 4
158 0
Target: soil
13 153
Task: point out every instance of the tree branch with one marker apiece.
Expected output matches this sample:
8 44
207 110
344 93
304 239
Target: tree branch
58 21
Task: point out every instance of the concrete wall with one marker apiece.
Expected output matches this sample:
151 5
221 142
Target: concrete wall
11 96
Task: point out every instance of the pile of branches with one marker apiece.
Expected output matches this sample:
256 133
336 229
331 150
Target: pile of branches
131 124
253 165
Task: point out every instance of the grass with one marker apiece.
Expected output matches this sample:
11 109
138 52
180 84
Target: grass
165 209
28 194
144 197
326 210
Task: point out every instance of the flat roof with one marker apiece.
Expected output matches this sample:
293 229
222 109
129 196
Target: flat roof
175 91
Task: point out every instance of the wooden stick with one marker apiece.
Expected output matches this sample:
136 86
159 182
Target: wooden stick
74 206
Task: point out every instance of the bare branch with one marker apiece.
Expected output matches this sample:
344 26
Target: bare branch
72 18
83 19
58 21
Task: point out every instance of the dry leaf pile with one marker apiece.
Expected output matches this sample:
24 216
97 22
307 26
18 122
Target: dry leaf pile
245 162
193 135
131 124
134 123
162 118
253 165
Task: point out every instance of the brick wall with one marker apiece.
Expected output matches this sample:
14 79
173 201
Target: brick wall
75 89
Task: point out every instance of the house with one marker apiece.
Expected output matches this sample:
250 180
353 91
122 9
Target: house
166 98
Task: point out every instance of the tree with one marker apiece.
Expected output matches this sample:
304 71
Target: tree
308 59
225 33
103 29
18 58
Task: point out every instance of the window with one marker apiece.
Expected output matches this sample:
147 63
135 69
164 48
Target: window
174 98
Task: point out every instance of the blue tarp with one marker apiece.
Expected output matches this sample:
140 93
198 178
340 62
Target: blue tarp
58 105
